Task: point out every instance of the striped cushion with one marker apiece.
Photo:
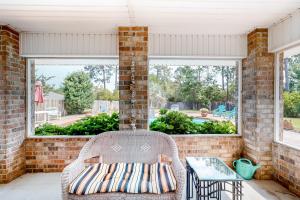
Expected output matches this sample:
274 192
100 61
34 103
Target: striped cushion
124 177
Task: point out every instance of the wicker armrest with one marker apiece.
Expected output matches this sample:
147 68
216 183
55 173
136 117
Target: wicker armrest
69 174
180 175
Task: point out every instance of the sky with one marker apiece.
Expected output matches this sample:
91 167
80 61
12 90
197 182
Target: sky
61 71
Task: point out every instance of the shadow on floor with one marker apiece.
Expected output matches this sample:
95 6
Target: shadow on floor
46 186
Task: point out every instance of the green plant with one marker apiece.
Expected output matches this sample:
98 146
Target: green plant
291 101
174 122
204 110
50 129
163 111
88 126
216 127
94 125
78 92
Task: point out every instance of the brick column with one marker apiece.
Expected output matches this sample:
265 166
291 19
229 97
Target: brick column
12 106
133 46
258 102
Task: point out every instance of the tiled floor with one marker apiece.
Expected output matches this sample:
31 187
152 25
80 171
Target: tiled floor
47 187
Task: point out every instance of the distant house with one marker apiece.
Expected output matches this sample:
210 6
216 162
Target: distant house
53 100
55 96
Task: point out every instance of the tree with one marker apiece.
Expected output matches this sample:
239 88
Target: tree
101 74
105 94
161 83
209 94
294 73
78 91
188 84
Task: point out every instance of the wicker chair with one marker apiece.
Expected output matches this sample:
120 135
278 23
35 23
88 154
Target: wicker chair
127 146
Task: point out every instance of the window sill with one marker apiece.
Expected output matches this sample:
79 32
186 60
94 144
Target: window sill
287 145
175 135
59 136
207 135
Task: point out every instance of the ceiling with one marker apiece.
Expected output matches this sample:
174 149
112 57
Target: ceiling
162 16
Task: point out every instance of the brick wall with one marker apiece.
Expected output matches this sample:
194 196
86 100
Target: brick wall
49 154
133 46
258 102
52 154
286 161
229 148
12 106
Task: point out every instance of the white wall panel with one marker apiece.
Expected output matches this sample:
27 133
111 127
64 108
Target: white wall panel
178 45
68 44
198 45
285 34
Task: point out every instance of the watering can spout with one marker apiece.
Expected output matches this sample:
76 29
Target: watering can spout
256 167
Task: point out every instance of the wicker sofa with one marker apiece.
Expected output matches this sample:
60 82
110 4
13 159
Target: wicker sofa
126 146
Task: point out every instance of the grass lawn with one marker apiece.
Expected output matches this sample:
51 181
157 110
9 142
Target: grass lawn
295 122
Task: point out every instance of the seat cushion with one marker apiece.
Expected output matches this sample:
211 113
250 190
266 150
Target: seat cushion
132 178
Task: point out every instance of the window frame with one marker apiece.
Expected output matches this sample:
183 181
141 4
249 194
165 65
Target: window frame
277 118
29 130
239 88
28 92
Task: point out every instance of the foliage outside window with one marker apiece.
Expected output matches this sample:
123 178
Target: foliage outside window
77 99
193 99
290 73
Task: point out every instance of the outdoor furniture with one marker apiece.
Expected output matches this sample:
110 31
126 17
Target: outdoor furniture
41 112
219 111
210 176
231 114
127 146
53 112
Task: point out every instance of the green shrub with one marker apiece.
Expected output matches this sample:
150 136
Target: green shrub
174 122
291 101
163 111
94 125
88 126
216 127
50 129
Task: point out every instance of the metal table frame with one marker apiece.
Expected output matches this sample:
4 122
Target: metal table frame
207 189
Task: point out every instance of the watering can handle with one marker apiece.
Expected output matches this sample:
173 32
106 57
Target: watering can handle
234 164
246 160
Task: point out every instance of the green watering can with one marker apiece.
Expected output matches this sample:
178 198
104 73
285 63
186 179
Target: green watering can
245 168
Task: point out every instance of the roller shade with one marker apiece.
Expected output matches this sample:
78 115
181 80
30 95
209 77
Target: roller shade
95 45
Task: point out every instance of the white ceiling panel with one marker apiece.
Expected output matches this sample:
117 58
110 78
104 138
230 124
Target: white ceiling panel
162 16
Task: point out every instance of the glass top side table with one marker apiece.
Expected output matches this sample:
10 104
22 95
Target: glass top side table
210 176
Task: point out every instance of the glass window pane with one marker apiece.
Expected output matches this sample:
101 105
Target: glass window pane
187 99
75 98
291 99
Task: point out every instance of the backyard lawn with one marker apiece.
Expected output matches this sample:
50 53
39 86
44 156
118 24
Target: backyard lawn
295 122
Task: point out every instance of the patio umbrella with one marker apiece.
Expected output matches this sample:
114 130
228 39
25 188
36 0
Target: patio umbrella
38 96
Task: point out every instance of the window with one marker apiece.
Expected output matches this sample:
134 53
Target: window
287 97
189 97
70 96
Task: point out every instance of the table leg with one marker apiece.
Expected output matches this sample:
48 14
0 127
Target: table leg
187 183
237 192
240 190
